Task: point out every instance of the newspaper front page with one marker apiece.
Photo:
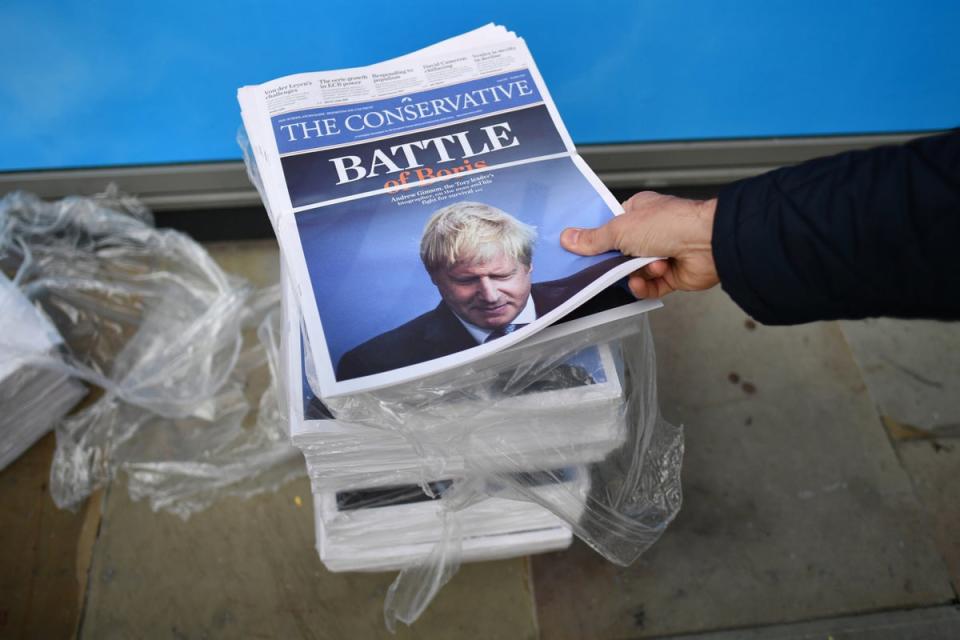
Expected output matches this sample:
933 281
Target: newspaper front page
418 204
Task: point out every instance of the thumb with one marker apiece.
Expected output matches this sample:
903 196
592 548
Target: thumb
588 242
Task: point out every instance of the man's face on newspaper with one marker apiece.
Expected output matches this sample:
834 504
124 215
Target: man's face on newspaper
487 294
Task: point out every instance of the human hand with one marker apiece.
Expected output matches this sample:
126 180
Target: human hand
653 224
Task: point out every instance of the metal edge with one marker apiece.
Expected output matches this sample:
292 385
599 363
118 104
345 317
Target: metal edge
219 185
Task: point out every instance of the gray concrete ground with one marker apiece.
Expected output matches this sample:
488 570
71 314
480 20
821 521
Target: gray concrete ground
820 500
912 371
796 504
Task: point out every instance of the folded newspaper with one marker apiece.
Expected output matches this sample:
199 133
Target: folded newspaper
389 528
418 203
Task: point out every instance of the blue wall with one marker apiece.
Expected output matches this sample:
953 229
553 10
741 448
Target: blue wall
109 83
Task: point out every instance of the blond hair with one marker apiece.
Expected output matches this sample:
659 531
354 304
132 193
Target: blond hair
474 232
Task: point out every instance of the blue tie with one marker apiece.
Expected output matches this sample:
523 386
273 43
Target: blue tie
502 331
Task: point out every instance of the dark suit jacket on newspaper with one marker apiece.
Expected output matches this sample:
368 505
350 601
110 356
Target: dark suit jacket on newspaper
438 333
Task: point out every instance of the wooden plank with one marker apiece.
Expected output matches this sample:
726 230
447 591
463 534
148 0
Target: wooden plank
44 551
248 568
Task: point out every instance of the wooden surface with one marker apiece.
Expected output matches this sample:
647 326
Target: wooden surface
44 551
248 569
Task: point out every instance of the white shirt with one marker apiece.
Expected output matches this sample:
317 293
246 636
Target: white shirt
526 316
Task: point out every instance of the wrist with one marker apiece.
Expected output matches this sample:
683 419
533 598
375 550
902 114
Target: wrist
706 210
706 266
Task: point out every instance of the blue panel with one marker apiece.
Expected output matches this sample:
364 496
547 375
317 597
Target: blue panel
110 83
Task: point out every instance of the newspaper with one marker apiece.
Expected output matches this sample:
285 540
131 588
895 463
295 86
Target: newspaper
33 397
418 203
580 418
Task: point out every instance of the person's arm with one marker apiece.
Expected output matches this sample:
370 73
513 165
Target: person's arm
865 233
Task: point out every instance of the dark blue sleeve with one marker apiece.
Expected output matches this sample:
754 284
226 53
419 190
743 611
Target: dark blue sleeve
860 234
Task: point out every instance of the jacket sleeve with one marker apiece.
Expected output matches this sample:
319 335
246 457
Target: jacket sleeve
860 234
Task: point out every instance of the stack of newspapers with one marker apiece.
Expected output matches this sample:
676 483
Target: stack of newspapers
418 204
34 395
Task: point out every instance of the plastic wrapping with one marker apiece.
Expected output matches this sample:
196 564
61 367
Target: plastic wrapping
388 528
425 473
582 390
170 340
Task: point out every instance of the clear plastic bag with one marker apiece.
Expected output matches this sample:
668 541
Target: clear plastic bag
488 460
169 339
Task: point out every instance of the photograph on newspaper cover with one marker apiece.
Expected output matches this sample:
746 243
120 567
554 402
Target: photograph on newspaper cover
415 276
595 367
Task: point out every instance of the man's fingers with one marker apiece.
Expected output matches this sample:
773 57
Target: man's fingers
642 287
638 287
656 269
588 242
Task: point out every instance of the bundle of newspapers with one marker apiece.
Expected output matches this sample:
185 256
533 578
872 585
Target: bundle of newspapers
446 360
33 398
